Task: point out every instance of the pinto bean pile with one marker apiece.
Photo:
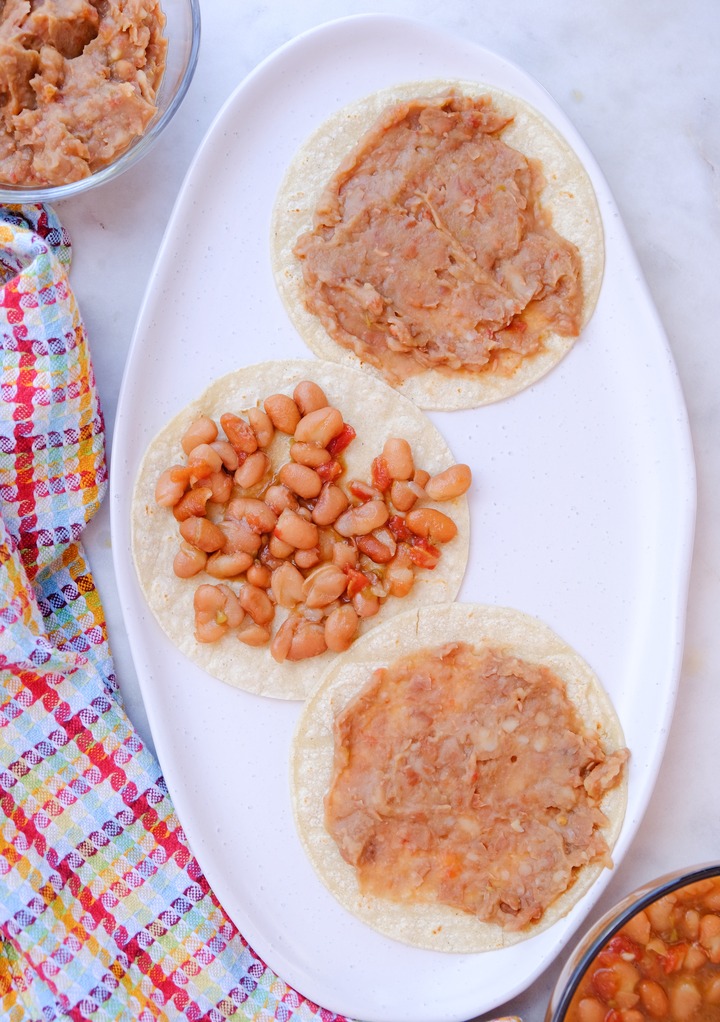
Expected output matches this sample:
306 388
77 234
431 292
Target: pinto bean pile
329 551
662 965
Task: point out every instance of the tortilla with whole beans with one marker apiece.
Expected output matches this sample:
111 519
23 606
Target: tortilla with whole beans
458 778
442 235
376 412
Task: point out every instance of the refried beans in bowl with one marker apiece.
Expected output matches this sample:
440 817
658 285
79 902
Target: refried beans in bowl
86 88
655 957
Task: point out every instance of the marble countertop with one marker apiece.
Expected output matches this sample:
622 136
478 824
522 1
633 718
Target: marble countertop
641 83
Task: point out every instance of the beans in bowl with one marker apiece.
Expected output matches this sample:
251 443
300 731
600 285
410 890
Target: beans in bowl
662 965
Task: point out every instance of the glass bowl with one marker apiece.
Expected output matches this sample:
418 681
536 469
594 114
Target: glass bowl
182 31
660 957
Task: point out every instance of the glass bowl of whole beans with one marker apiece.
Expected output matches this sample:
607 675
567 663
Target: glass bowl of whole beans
655 957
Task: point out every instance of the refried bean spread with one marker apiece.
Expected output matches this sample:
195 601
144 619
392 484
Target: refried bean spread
78 80
430 248
468 778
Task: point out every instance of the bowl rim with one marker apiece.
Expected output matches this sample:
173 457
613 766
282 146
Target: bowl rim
18 194
613 921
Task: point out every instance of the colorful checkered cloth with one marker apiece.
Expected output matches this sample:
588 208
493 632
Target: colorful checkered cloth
104 912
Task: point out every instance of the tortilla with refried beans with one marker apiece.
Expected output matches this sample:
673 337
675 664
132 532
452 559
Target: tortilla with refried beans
442 235
376 412
459 778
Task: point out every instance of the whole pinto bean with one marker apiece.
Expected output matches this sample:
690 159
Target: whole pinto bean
203 461
398 458
217 608
239 537
259 575
240 434
256 513
262 426
171 485
252 470
283 412
221 485
326 545
319 427
324 585
330 504
362 519
228 454
296 531
298 639
234 613
189 561
301 479
310 455
253 634
192 503
203 534
341 626
405 495
278 549
453 482
431 524
210 618
279 497
308 396
256 602
282 640
222 565
365 603
287 585
308 640
344 555
306 559
202 431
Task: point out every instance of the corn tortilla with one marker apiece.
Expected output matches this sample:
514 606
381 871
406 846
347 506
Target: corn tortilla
568 195
439 927
376 411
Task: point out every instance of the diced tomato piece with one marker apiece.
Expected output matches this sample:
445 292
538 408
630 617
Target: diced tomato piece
329 471
624 946
396 525
674 957
363 491
423 553
357 581
605 984
344 438
381 477
613 1016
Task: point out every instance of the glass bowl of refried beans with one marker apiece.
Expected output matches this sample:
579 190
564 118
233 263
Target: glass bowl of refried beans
86 88
654 957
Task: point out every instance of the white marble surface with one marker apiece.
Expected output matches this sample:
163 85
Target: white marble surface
641 82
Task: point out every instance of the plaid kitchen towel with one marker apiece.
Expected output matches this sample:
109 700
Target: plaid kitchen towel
104 912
